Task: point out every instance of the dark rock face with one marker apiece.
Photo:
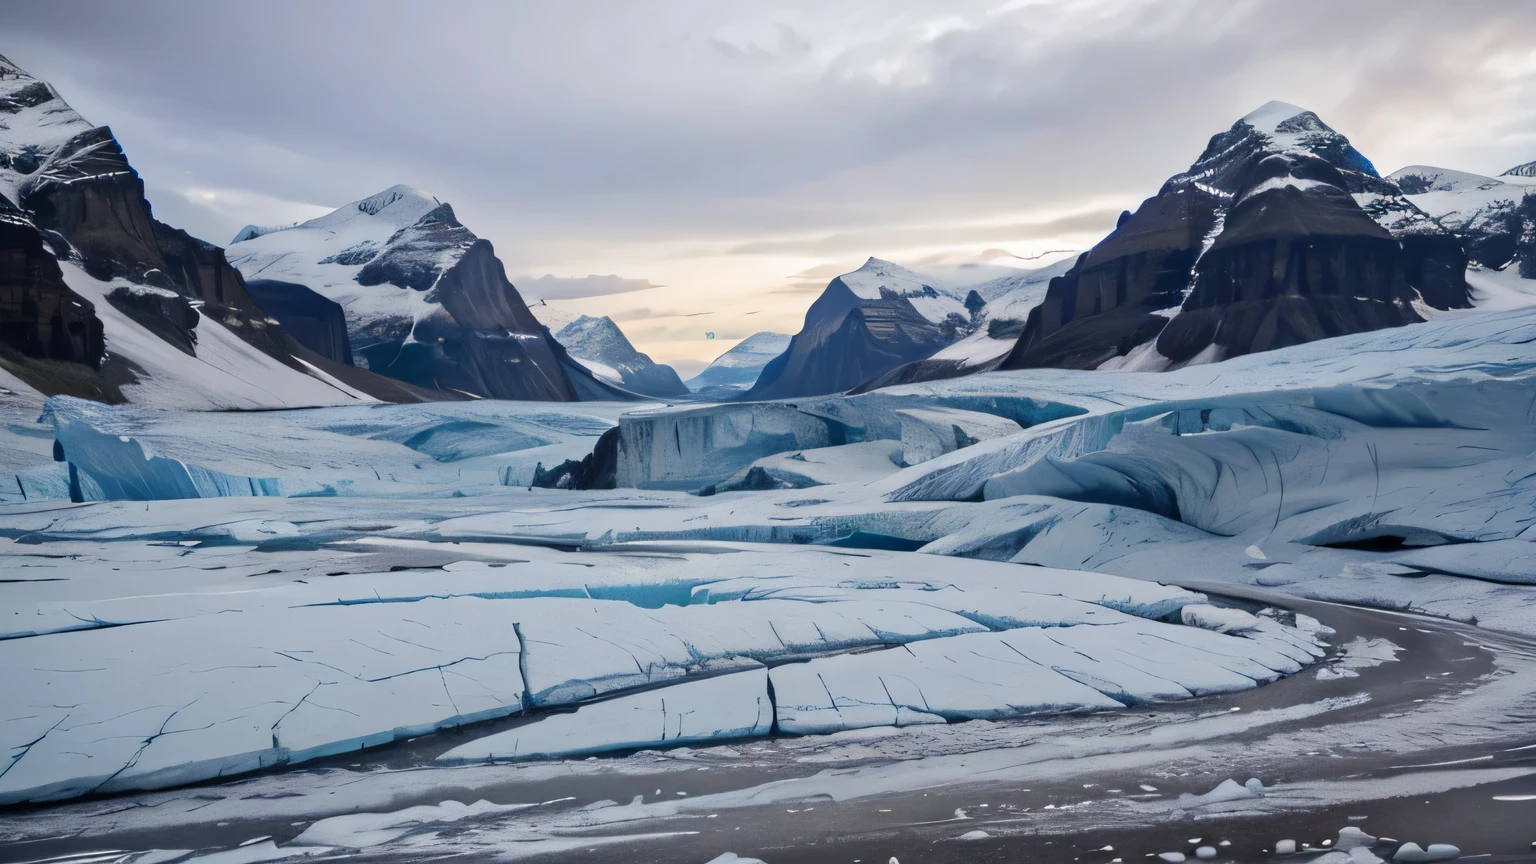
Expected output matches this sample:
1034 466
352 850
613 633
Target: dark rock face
416 255
317 322
597 470
89 193
844 350
40 316
483 339
849 338
1263 243
1106 304
1291 266
163 313
199 270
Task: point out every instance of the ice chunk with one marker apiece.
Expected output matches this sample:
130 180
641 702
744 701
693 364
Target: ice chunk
1351 837
734 705
1219 619
1359 653
1227 790
1285 847
1357 855
1413 853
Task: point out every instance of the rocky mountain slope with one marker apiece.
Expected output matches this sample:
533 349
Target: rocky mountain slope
100 299
600 346
863 325
1494 217
735 371
427 302
1280 233
995 328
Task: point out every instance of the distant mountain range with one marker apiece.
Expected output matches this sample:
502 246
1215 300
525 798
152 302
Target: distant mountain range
1280 233
425 300
99 299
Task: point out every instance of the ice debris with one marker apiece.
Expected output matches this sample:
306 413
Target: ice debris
1413 853
1227 790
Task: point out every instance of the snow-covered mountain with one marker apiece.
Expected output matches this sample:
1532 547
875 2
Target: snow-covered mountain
427 302
863 325
1495 217
1280 233
100 299
599 345
995 329
1528 169
735 371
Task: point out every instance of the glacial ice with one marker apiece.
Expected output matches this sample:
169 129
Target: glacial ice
132 453
1393 468
1227 791
296 665
733 705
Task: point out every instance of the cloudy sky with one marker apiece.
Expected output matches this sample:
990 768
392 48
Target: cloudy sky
660 159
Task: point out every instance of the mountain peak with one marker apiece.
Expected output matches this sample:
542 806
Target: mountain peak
398 206
596 334
1526 170
877 274
1269 116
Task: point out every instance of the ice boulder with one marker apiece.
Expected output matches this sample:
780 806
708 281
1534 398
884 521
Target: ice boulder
1228 790
1353 838
1413 853
1219 619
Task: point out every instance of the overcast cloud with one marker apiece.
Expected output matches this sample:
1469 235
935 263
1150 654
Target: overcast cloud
711 153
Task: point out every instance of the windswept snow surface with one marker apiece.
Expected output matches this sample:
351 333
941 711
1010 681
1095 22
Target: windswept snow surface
226 373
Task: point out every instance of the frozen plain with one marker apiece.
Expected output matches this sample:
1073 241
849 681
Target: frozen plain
370 574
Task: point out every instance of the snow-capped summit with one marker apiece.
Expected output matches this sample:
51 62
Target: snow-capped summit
994 329
1268 118
738 369
599 345
1182 279
1419 179
398 206
1489 214
863 325
426 301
